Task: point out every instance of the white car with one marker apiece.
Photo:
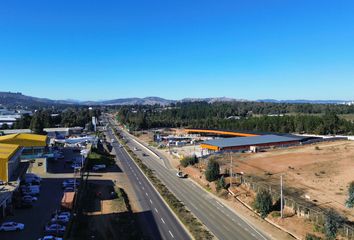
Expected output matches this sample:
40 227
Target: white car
50 238
54 227
11 226
29 198
98 167
68 214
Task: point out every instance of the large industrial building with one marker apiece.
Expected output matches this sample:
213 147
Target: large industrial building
246 143
11 148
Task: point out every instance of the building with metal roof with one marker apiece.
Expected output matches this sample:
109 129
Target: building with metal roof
244 143
9 160
25 140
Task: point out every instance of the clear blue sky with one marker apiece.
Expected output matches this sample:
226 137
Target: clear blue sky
282 49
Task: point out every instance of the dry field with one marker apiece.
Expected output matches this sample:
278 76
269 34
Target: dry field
321 172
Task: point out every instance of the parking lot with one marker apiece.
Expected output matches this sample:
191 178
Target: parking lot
51 193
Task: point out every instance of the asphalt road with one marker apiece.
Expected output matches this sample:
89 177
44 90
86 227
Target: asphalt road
220 220
150 201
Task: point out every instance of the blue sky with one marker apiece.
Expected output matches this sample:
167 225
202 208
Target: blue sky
89 50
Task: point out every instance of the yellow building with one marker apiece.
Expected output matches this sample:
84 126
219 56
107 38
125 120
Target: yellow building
9 160
11 147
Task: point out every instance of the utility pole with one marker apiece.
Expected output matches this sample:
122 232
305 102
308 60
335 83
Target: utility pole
231 172
281 196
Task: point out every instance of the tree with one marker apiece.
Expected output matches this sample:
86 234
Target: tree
221 184
213 170
5 126
332 223
350 201
263 203
37 123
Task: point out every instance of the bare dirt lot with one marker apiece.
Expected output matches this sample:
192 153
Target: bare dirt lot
319 172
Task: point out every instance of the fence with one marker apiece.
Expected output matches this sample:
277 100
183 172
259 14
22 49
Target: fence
300 207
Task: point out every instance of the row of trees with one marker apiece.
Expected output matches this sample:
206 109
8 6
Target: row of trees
215 116
46 118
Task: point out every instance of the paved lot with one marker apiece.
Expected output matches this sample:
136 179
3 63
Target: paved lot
39 215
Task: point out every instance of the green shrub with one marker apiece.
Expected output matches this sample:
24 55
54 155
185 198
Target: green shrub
332 223
221 184
189 161
350 201
263 203
213 171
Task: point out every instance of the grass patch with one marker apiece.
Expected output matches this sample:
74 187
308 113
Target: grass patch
99 157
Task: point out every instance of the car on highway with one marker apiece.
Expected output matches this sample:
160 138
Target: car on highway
50 237
11 226
181 174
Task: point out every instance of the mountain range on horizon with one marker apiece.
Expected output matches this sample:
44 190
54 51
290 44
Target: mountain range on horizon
18 99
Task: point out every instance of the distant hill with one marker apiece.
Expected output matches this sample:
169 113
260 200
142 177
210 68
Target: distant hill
306 101
10 99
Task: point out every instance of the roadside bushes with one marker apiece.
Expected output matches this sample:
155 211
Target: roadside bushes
186 161
263 203
221 184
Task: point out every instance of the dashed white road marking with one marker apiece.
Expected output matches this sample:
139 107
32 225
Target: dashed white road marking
139 182
143 188
150 201
146 194
219 204
156 210
171 234
163 221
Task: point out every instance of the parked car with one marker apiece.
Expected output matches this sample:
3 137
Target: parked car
29 198
11 226
29 187
55 229
61 213
50 237
30 191
61 219
70 183
98 167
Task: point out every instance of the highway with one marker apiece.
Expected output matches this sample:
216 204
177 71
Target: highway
150 201
220 220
